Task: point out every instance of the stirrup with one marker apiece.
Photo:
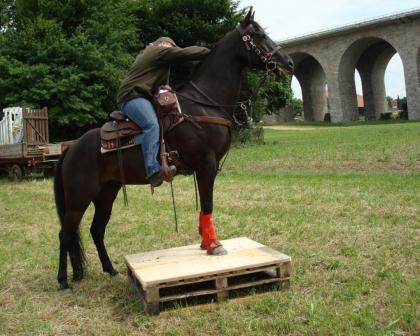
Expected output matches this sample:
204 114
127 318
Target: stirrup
171 174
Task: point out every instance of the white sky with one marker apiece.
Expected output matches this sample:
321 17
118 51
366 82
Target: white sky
290 18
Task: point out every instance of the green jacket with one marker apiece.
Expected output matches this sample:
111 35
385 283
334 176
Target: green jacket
151 69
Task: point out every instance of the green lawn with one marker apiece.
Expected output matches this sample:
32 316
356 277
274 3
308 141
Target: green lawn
343 202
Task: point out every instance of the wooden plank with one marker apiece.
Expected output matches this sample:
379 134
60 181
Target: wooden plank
47 129
283 272
11 151
153 268
151 308
152 295
189 295
222 284
270 269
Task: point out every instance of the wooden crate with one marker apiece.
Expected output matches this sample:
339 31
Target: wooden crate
35 126
15 151
185 272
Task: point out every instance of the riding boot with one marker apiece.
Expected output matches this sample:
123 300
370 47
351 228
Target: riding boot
157 179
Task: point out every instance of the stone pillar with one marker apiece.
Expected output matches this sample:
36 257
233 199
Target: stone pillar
312 80
411 63
371 66
334 99
347 92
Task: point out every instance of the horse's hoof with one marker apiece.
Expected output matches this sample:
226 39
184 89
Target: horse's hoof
64 288
67 291
113 272
218 251
77 277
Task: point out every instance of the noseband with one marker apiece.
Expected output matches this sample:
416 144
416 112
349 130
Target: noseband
250 44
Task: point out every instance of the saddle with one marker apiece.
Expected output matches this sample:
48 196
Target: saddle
119 132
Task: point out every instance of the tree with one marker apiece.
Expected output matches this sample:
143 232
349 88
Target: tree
278 93
6 14
389 102
297 105
403 109
69 57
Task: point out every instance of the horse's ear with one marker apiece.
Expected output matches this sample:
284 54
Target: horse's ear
247 19
252 16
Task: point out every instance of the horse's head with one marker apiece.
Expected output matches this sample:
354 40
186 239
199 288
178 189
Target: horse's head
259 50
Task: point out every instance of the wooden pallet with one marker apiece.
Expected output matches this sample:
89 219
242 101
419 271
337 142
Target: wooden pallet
181 273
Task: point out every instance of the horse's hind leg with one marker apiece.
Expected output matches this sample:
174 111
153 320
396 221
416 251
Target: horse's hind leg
70 242
62 266
103 208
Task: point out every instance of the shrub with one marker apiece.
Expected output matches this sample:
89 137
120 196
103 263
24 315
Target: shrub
327 117
250 134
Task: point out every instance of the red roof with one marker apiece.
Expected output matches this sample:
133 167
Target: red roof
360 102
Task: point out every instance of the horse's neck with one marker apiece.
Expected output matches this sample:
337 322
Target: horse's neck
219 76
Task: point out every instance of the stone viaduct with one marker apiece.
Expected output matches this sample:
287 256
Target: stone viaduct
331 57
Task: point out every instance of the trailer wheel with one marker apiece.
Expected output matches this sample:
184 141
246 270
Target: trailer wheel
16 173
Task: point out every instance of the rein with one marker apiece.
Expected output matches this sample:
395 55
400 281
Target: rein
243 104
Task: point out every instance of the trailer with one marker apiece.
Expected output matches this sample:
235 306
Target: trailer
24 143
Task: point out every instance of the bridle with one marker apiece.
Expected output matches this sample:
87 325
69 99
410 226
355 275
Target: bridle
251 45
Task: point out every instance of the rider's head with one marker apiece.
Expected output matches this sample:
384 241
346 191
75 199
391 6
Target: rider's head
165 42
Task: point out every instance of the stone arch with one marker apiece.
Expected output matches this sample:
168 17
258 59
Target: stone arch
370 56
311 76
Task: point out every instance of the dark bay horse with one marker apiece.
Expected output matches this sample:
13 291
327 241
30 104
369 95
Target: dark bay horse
84 175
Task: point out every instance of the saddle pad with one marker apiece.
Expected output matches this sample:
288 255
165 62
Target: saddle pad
104 150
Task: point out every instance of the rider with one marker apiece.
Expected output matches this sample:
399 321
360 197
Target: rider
149 71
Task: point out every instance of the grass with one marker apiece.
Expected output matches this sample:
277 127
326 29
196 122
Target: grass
343 202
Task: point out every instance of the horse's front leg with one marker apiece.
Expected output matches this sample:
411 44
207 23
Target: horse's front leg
206 175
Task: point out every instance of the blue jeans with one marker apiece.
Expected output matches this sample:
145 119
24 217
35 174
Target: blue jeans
141 111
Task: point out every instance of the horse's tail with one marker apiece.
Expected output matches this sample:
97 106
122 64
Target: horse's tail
59 189
69 241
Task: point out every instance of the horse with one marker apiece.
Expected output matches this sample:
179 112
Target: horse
84 175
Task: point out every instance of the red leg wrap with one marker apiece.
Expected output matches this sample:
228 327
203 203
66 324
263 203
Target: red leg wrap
208 233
